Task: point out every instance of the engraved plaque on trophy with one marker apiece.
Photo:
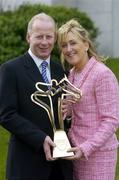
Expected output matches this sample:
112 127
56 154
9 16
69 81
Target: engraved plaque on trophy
66 89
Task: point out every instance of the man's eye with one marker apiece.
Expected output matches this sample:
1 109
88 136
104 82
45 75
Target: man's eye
49 37
39 37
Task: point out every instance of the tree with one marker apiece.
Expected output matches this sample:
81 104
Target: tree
14 24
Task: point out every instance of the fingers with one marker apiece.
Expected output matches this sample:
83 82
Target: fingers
73 149
77 153
48 146
66 103
69 100
64 106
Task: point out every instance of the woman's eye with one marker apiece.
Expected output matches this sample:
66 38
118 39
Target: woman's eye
72 43
64 45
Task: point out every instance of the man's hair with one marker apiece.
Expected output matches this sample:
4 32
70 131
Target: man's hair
43 17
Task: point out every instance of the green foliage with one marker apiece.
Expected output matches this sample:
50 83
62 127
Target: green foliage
113 64
13 25
4 136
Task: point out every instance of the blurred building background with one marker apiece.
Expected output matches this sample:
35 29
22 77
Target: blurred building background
104 13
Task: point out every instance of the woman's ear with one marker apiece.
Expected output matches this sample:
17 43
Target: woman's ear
86 46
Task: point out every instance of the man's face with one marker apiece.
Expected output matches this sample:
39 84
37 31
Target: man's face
42 38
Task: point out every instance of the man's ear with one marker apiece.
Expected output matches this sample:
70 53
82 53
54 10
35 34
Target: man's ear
28 37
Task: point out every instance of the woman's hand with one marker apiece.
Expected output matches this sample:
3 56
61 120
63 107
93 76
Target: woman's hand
66 106
77 153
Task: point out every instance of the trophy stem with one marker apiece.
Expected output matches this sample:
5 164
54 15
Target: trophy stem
46 107
61 123
52 119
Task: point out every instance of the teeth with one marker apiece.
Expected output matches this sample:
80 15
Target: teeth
70 55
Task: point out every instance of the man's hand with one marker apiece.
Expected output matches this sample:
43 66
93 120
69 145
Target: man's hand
48 145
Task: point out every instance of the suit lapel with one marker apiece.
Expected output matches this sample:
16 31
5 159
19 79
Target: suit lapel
32 69
55 72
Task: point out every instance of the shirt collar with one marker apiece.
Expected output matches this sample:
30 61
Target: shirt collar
37 60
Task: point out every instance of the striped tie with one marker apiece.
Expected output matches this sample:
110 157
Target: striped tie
44 74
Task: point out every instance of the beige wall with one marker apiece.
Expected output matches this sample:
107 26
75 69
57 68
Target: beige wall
105 14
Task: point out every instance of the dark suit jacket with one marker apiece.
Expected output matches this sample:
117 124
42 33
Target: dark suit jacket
28 123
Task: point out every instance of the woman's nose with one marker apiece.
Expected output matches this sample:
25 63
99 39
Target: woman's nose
69 47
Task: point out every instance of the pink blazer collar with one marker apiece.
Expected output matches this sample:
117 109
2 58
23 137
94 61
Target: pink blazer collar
84 73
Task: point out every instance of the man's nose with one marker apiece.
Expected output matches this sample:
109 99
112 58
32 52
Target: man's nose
44 40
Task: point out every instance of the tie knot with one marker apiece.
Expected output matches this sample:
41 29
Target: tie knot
44 64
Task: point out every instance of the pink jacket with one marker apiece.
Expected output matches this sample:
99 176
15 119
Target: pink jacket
95 118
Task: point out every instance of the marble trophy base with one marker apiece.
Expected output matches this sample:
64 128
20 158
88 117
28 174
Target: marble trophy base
62 145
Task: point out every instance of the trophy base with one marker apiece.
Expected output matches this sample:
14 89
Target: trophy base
62 145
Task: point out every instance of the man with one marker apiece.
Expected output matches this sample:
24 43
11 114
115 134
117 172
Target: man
29 155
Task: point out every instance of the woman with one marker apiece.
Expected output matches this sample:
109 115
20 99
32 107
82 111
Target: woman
95 118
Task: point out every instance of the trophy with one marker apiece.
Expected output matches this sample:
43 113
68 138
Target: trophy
66 90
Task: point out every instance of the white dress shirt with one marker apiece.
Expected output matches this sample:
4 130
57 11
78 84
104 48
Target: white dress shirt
38 62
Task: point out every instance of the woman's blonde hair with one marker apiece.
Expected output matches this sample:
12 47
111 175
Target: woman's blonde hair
74 27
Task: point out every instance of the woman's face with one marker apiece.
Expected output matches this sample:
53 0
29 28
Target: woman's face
75 51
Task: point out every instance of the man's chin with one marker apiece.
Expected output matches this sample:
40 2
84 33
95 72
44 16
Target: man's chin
43 56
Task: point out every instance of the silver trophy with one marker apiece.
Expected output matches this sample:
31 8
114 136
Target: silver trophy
68 91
